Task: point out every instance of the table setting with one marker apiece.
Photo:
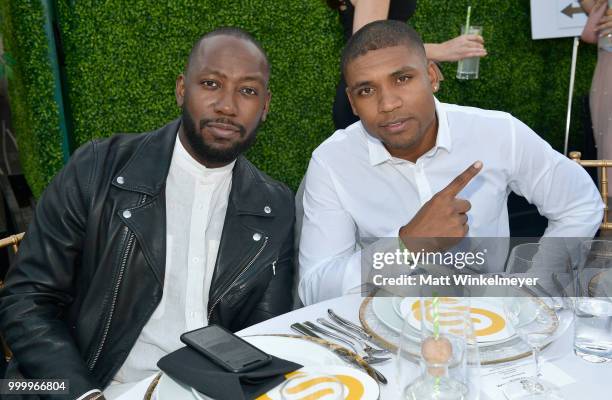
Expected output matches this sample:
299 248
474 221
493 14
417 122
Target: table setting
538 345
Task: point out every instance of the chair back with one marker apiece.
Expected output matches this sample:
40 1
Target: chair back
12 241
602 166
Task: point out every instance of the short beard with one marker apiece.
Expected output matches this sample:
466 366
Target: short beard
208 153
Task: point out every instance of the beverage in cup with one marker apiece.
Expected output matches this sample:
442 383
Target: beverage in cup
468 67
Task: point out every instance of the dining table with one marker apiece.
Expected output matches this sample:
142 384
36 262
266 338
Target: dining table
577 378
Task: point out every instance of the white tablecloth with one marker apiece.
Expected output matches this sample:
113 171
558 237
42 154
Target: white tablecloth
592 381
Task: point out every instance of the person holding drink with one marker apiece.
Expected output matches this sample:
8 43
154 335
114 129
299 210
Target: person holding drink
598 30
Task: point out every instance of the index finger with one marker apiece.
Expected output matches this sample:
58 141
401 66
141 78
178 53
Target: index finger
462 179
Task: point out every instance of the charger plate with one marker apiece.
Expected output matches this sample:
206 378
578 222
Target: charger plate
600 285
510 350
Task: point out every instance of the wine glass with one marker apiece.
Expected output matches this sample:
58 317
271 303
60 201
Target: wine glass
541 313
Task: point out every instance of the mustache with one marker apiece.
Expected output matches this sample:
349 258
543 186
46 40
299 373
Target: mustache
206 121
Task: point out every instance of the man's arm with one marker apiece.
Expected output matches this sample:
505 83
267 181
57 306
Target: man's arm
39 285
560 188
329 258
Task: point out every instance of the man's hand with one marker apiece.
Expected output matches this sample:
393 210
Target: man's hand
443 218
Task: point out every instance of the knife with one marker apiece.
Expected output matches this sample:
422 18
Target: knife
349 325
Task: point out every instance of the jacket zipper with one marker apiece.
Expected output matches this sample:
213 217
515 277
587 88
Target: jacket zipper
124 257
263 246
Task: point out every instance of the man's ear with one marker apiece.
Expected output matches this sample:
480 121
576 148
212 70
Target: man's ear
179 90
266 108
434 77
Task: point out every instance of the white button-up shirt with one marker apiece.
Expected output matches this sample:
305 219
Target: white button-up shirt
355 191
196 203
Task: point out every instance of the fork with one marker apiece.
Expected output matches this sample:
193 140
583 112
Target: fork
358 349
366 347
303 330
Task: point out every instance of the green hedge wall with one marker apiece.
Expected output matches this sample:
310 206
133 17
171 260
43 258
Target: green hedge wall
122 58
35 115
528 78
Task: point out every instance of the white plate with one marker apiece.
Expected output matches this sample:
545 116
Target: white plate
487 316
303 352
388 310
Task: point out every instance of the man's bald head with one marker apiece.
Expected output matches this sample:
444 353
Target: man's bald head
226 31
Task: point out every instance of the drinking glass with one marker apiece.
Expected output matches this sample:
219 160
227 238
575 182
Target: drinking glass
540 317
593 328
438 355
310 385
468 67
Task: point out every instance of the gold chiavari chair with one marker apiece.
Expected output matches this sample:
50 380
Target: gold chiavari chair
12 241
602 166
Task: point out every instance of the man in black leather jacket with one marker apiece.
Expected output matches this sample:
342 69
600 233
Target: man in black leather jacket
90 271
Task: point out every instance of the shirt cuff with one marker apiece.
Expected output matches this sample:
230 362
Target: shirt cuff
88 393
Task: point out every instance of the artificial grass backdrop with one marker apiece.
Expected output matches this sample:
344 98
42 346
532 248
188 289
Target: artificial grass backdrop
122 58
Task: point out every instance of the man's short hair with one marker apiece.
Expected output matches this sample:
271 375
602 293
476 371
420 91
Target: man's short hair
228 31
380 35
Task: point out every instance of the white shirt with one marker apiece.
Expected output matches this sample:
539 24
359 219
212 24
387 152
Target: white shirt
196 202
355 190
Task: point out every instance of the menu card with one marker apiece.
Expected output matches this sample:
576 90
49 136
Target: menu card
503 381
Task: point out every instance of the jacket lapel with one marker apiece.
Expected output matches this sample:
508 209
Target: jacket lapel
244 229
146 173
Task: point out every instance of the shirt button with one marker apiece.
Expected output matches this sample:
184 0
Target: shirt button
267 209
196 259
120 180
127 214
257 237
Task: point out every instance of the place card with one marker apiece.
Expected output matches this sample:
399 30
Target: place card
502 382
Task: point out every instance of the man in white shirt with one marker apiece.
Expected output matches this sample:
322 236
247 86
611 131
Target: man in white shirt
389 175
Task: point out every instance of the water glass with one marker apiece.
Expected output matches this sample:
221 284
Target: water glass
593 328
438 355
468 67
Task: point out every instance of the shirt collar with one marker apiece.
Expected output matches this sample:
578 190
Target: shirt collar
379 154
182 157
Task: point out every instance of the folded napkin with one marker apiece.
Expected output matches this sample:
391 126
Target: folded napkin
193 369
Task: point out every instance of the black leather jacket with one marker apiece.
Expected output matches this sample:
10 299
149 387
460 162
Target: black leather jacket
89 274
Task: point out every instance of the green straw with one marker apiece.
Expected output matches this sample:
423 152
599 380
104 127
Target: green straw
467 20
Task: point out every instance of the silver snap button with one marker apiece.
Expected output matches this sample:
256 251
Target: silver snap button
257 237
120 180
127 214
267 209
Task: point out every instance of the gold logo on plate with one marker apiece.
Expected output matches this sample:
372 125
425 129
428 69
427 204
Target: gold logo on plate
486 322
354 386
